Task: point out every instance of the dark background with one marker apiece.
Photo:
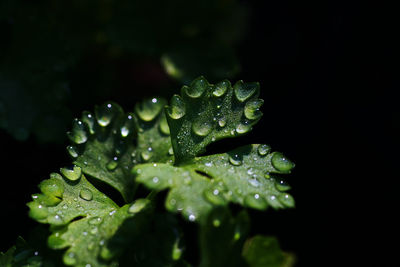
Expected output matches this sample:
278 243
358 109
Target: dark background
328 72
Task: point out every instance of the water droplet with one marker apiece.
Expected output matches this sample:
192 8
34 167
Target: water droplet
287 200
252 109
242 128
56 220
148 109
244 91
112 164
38 211
94 230
192 217
170 151
164 128
281 185
222 122
235 160
88 119
263 150
72 151
281 163
78 134
112 212
86 194
155 180
201 128
273 201
177 108
215 196
196 88
221 88
255 201
208 164
146 154
106 254
128 126
71 174
138 205
254 182
69 258
95 221
105 113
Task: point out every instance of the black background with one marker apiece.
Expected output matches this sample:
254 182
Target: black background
328 72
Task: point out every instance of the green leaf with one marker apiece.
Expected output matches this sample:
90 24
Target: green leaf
21 255
104 143
82 219
222 238
205 113
243 176
265 251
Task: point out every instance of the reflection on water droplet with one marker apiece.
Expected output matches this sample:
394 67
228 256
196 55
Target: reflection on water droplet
78 134
281 163
155 180
242 128
263 150
86 194
71 174
202 128
235 160
177 108
192 217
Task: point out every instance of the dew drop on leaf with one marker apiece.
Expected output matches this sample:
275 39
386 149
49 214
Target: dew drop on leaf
235 160
196 88
177 108
112 164
281 185
128 126
78 134
222 122
255 201
244 91
138 205
201 128
69 258
252 109
242 128
263 150
286 200
214 196
71 174
104 114
281 163
88 119
95 221
72 151
220 88
148 109
86 194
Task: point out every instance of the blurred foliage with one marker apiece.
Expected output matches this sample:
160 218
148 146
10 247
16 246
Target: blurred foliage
59 54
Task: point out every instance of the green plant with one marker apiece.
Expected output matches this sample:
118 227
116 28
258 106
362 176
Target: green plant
160 147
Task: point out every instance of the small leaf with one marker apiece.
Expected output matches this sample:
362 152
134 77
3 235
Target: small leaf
205 113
